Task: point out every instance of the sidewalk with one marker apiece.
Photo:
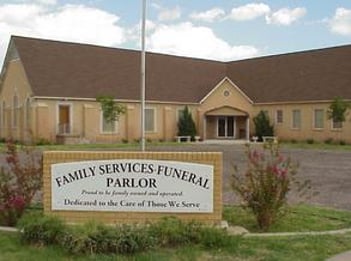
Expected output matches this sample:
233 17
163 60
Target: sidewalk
346 256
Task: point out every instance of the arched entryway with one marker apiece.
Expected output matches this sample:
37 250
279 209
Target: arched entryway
226 123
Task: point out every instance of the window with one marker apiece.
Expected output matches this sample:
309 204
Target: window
296 119
318 119
180 113
108 127
336 124
15 111
150 119
279 116
28 113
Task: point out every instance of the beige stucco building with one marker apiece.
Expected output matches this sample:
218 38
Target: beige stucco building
49 90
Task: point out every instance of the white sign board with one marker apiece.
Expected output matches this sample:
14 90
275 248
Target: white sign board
132 185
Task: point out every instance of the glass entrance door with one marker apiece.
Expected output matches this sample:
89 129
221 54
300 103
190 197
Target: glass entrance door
225 126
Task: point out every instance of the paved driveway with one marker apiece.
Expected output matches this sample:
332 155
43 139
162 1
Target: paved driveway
328 171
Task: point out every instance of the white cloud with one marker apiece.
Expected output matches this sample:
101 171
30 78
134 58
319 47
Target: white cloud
249 12
82 24
169 14
185 39
46 2
341 22
209 15
285 16
76 23
43 2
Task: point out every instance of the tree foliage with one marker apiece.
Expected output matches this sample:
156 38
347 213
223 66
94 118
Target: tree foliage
263 126
111 110
337 110
186 124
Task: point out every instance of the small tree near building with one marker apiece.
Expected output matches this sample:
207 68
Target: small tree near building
111 110
263 127
338 111
186 124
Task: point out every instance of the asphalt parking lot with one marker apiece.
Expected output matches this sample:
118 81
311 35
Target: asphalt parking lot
329 171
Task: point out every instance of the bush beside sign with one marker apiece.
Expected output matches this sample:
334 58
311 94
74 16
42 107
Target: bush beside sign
133 186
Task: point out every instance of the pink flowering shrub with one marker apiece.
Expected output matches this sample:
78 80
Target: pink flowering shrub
264 186
19 182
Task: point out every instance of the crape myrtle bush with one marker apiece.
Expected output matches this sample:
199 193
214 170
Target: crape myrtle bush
20 180
264 186
95 238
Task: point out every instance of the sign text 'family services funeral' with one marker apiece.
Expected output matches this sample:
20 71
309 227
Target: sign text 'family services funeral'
132 185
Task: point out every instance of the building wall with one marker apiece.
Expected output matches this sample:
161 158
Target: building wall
14 120
285 130
37 118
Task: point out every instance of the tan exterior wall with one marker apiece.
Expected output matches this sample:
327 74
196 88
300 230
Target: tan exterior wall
210 158
285 130
15 83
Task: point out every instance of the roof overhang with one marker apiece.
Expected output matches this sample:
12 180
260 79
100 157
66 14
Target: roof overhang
226 111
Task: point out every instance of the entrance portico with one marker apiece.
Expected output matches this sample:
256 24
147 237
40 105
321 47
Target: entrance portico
226 123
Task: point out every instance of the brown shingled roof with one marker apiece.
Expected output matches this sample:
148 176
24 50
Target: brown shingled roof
305 76
61 69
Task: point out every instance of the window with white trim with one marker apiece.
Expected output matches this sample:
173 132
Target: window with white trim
279 117
108 126
15 111
336 125
180 113
28 112
150 119
318 119
296 119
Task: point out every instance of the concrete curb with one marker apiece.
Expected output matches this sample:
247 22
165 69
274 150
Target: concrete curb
288 234
8 229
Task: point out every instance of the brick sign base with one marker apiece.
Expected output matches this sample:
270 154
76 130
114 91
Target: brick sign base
133 187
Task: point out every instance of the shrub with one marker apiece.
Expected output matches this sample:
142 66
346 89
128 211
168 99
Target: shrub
41 230
96 238
19 182
328 141
171 231
186 124
310 141
212 237
93 238
342 142
264 186
263 126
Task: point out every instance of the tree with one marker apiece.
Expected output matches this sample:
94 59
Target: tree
337 110
111 110
186 124
262 125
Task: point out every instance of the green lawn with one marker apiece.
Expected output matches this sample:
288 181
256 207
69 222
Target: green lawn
284 248
299 218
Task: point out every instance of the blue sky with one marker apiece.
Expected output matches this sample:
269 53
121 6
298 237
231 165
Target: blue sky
219 30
